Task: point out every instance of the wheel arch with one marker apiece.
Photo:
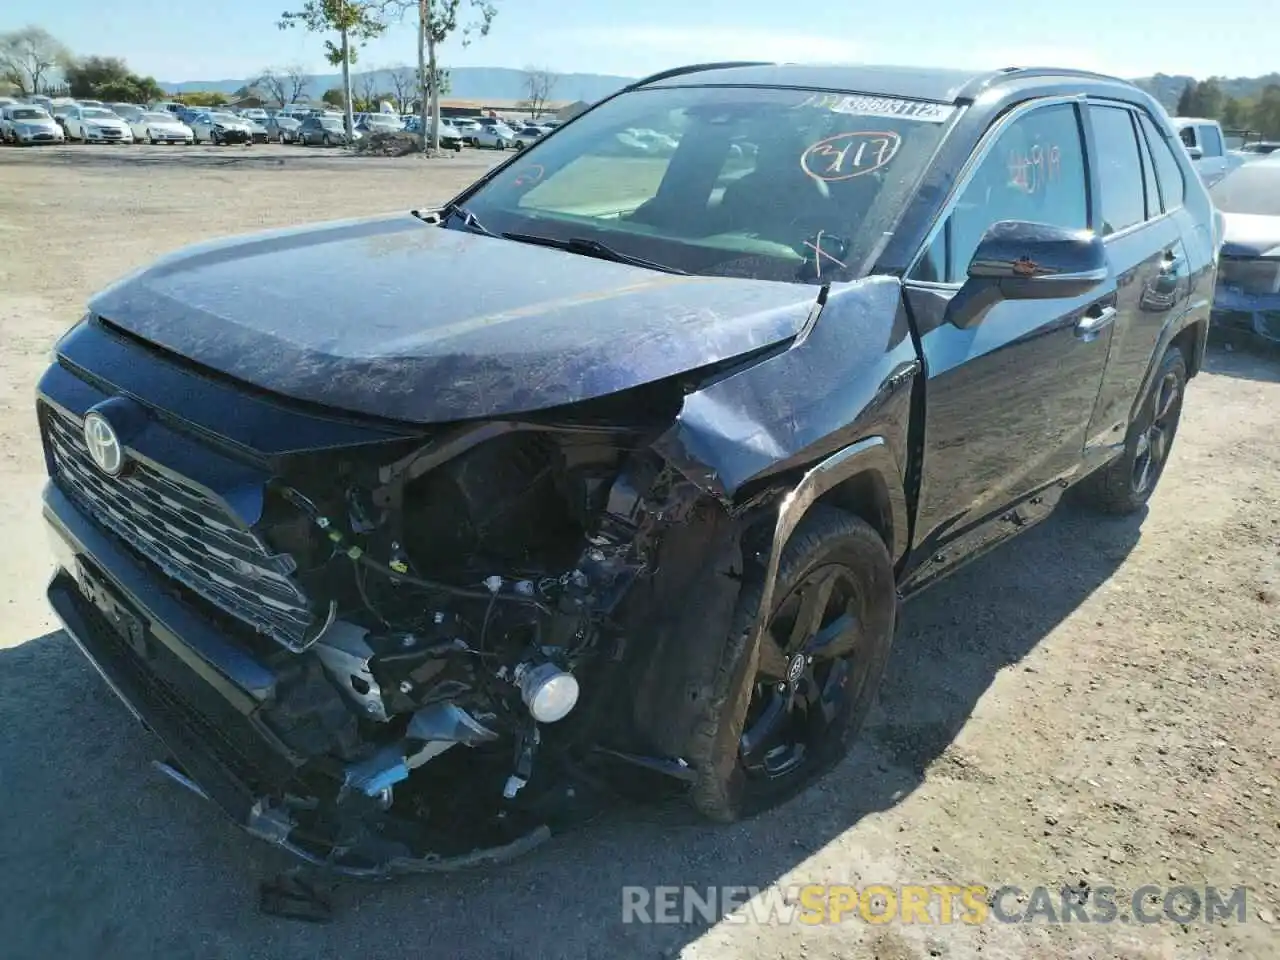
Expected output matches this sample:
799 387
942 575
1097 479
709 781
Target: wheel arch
863 478
1187 332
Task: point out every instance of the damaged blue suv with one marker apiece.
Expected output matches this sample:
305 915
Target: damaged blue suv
620 473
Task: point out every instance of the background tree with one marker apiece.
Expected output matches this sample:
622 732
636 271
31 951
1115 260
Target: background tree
369 95
1266 115
296 81
438 20
109 78
333 97
538 84
1235 113
355 21
403 82
1187 100
272 84
1209 99
440 85
202 98
30 57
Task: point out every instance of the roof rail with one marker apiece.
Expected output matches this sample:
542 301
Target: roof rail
696 68
978 84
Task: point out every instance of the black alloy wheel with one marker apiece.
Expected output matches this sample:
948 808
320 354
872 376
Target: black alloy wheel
1152 449
776 721
1126 483
806 674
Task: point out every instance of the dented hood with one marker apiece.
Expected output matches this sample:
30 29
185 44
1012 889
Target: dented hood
397 318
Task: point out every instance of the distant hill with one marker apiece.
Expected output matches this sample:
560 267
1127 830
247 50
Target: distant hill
1167 88
466 83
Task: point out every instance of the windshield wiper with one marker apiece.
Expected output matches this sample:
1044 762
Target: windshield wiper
469 219
594 248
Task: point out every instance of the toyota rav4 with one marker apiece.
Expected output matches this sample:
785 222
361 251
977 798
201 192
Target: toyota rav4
630 460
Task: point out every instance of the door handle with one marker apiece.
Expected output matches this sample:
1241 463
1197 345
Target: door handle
1095 320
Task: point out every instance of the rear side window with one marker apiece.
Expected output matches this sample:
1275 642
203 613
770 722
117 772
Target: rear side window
1119 168
1173 186
1211 141
1034 172
1150 188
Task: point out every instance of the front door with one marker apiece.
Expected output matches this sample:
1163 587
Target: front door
1008 400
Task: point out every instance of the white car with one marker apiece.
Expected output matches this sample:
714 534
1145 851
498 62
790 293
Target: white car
496 135
26 123
128 112
96 125
155 126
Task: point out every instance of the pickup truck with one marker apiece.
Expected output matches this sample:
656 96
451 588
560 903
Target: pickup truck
1207 148
400 579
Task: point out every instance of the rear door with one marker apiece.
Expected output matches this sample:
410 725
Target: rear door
1008 400
1146 251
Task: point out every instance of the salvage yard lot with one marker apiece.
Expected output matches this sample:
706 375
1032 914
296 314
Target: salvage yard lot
1096 705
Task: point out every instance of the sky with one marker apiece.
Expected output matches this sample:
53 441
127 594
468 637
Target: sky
179 40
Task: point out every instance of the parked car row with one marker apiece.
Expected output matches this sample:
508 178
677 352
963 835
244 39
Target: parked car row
86 121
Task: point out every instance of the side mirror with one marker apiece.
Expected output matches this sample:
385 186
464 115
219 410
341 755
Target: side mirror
1019 260
1196 153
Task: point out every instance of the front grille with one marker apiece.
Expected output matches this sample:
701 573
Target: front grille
187 535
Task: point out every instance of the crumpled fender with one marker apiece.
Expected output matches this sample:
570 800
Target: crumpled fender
847 377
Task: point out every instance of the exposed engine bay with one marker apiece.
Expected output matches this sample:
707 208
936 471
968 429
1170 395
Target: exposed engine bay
475 594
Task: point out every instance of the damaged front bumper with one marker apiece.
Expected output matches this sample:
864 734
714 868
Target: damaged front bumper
200 696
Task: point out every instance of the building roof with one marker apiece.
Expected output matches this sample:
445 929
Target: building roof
917 83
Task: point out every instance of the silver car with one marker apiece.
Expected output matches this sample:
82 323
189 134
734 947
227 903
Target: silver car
217 128
25 124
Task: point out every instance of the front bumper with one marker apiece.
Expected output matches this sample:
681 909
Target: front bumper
40 136
234 136
200 694
1256 313
107 136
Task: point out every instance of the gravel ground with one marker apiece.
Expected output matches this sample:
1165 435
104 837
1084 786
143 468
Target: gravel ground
1094 705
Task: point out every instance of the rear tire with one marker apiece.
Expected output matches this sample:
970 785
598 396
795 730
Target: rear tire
1127 483
832 683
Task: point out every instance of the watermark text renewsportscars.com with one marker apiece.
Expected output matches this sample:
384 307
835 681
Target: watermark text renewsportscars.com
935 904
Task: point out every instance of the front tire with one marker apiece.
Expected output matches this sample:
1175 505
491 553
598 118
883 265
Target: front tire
779 717
1127 483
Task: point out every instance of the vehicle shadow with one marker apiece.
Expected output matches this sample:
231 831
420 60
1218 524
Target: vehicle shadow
104 855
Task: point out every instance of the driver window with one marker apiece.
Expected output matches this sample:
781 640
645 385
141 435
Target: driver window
1034 172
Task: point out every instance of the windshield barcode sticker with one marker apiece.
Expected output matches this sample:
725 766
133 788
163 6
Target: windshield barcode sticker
867 106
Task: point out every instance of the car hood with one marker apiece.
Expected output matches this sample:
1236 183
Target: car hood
1250 235
397 318
105 122
44 123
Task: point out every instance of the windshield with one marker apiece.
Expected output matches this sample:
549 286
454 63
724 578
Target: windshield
1250 188
765 183
225 118
92 113
28 113
329 123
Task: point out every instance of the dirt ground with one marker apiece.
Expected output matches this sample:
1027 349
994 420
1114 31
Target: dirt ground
1095 705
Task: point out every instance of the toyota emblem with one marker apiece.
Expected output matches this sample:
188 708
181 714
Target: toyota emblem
103 444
